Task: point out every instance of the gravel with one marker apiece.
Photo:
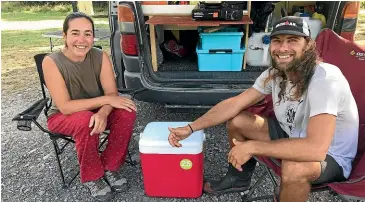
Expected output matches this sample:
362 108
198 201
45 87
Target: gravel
30 172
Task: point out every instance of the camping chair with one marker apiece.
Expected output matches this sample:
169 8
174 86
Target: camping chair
345 55
25 118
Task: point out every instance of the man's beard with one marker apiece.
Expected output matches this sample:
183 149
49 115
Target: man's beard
299 67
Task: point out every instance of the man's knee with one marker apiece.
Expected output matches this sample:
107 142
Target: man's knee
299 172
238 122
250 126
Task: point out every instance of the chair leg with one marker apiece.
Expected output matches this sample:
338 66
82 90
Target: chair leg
102 143
129 160
56 148
73 178
271 176
247 197
58 152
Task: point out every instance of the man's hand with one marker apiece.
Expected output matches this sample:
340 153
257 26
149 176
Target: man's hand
122 103
99 121
177 134
239 154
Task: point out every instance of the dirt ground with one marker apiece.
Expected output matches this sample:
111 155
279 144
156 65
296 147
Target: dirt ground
18 71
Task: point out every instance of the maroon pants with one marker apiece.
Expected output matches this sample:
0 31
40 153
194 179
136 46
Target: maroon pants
92 166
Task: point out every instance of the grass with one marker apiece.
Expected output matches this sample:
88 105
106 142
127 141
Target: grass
16 40
49 15
30 16
18 11
17 51
19 47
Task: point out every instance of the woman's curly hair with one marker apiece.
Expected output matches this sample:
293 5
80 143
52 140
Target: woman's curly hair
302 70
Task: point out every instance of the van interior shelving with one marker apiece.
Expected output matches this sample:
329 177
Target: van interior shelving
175 66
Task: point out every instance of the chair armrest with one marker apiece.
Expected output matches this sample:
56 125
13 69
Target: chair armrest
31 114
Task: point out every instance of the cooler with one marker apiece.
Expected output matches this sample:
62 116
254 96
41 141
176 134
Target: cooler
171 171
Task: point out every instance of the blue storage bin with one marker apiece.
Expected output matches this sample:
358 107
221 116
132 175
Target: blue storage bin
221 40
220 59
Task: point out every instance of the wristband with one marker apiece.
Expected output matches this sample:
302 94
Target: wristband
191 128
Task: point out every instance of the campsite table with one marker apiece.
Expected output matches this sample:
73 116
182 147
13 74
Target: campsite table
187 23
100 34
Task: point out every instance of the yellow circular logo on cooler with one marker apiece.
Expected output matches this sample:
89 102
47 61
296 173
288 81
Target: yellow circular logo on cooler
186 164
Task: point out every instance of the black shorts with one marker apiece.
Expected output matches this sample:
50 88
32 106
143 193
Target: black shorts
330 170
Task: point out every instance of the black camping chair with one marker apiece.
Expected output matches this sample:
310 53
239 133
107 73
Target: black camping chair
25 118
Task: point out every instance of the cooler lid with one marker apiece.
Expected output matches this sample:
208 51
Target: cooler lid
154 139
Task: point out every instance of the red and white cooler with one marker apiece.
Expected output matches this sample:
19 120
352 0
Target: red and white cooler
175 172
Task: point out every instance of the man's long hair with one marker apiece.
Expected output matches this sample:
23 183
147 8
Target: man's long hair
301 68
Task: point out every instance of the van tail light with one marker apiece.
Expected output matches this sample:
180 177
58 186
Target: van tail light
351 9
350 15
128 39
129 44
125 13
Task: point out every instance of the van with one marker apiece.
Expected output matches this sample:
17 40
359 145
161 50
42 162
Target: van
178 83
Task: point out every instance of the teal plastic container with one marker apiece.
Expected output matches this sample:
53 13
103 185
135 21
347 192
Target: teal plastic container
220 59
221 40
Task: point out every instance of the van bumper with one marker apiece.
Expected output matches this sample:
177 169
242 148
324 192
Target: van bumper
177 96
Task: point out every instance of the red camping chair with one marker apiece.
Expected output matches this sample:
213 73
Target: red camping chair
350 58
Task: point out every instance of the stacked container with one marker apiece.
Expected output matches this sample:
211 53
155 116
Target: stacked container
220 51
168 171
258 49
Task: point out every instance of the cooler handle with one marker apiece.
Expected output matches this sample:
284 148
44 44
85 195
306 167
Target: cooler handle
220 51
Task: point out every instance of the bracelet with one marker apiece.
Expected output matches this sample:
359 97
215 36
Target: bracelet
191 128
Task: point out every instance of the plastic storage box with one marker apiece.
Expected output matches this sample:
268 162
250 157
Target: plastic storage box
171 171
221 40
258 49
220 59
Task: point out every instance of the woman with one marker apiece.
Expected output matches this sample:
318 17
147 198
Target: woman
81 82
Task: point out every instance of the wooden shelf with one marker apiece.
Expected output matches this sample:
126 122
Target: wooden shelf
189 22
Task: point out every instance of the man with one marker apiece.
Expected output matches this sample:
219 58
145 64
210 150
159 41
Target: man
315 128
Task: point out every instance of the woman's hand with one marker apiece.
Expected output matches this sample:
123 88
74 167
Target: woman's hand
177 134
122 103
98 121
